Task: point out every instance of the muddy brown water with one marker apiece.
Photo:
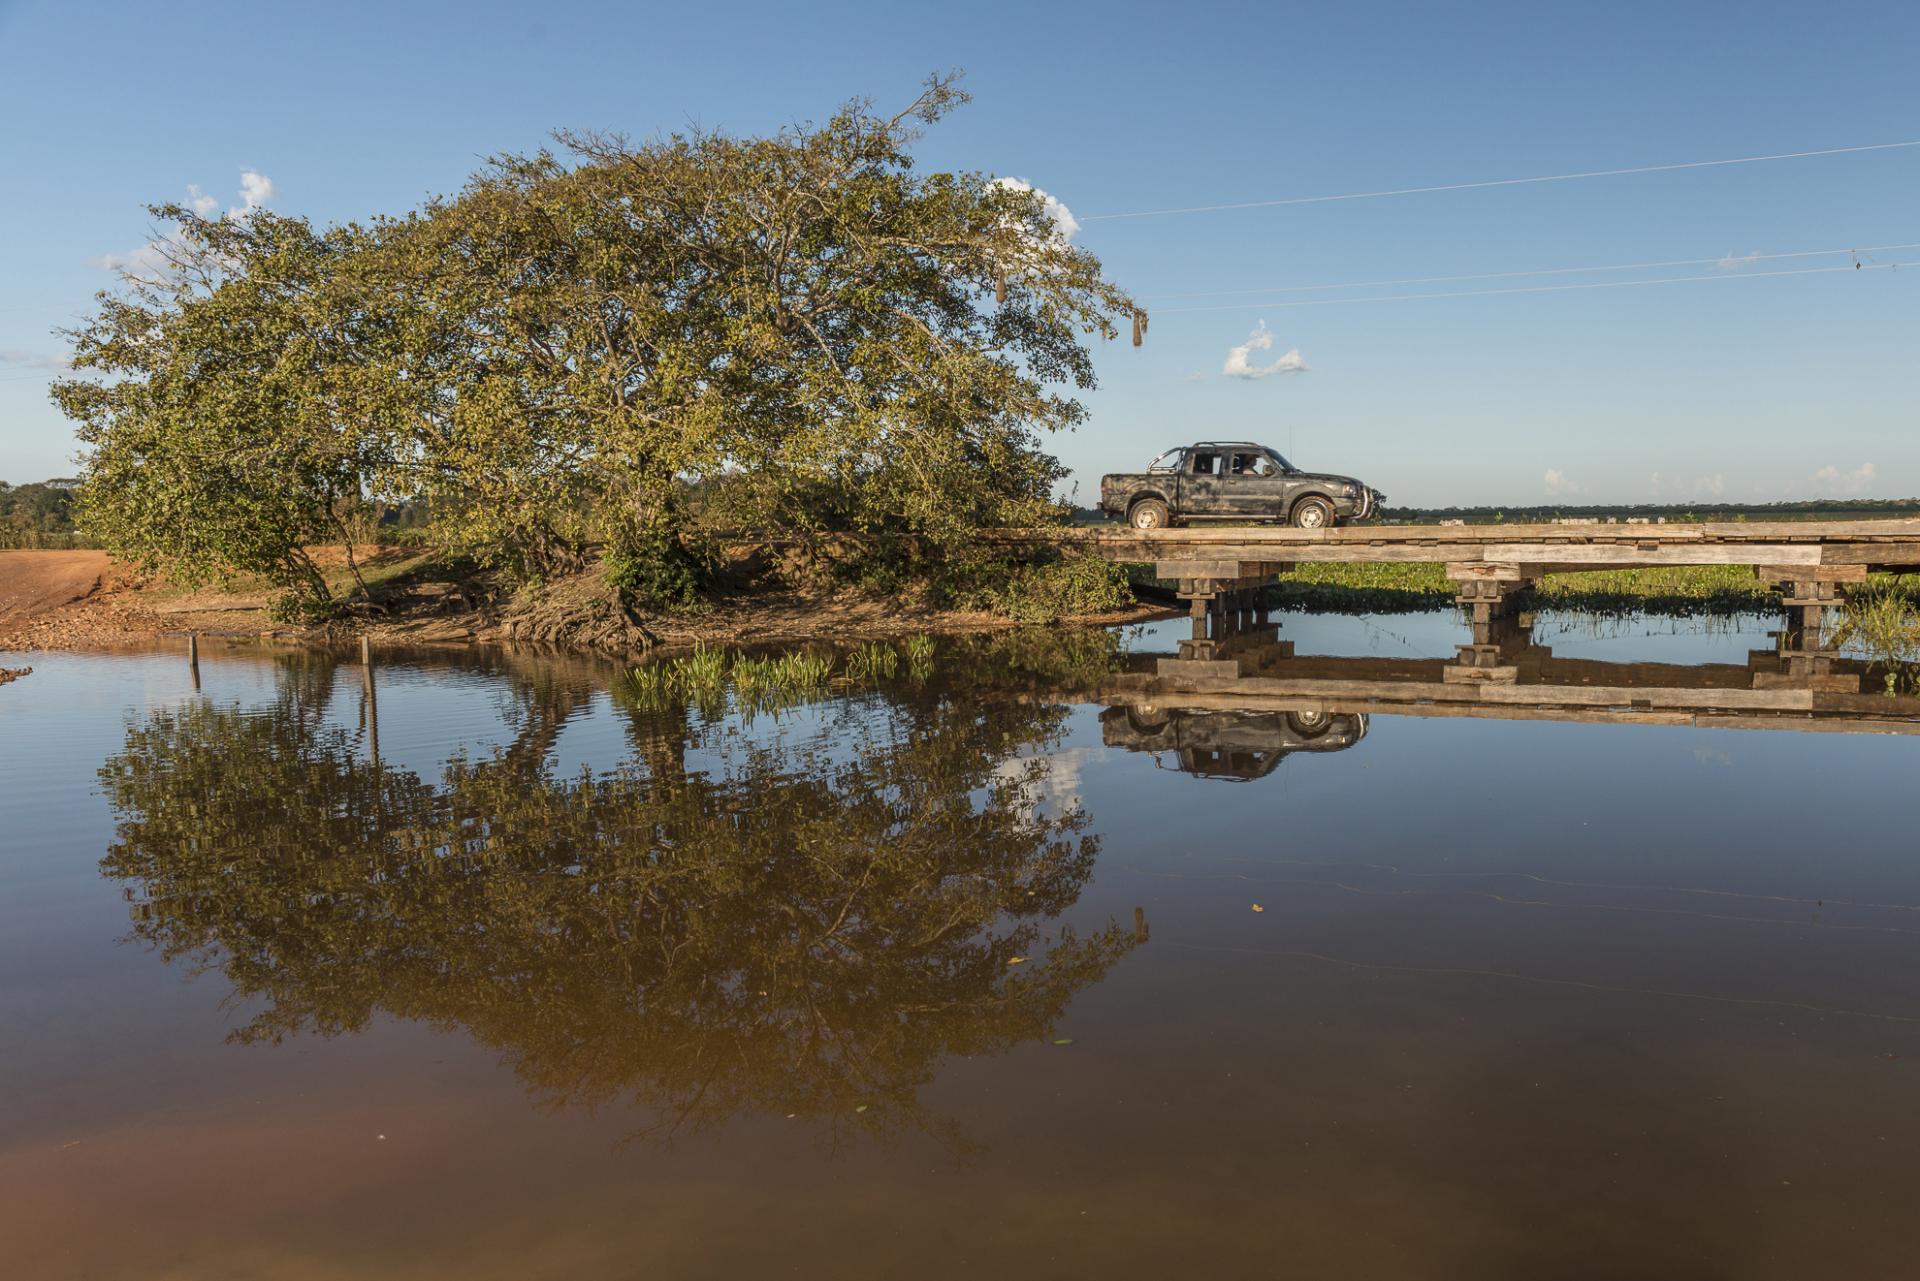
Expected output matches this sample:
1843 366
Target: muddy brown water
940 975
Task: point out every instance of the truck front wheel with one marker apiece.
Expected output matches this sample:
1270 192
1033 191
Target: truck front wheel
1148 513
1313 513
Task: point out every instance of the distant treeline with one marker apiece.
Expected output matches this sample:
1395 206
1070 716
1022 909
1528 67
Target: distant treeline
1811 509
37 515
40 515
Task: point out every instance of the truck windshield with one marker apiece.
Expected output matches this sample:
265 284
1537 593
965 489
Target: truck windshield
1168 461
1285 466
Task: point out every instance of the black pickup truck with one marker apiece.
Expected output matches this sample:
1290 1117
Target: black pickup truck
1233 480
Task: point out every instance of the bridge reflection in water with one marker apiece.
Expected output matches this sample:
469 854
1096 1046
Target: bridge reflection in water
1236 699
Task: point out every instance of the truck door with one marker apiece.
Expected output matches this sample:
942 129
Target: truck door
1203 484
1255 486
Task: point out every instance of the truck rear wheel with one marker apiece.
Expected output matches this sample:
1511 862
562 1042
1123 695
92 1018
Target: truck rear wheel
1313 513
1148 513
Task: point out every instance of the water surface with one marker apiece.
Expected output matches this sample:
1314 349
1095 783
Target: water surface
491 966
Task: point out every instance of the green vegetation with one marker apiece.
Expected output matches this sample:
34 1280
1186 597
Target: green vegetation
1883 623
759 681
1400 587
1022 659
1373 588
1040 591
39 515
1680 589
609 347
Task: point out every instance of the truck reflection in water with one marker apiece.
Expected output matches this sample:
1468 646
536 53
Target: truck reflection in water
1236 745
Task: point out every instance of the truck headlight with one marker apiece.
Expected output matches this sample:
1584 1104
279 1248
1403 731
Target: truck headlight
1353 491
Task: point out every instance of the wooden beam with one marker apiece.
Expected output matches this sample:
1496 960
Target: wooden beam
1824 572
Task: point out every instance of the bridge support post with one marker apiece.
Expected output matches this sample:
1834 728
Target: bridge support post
1803 658
1218 585
1807 601
1485 592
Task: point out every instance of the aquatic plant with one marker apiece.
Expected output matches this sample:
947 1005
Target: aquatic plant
1418 586
919 653
871 660
704 672
760 682
804 669
1883 623
653 686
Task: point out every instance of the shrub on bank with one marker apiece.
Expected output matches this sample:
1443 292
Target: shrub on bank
1041 591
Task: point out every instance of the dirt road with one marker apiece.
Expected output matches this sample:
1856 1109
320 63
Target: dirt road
35 583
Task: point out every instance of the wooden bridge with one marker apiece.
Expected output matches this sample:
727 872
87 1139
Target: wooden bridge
1219 568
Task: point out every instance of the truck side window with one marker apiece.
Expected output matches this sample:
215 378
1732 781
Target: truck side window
1252 465
1206 464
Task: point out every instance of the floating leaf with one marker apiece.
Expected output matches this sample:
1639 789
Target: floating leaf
1016 960
1065 1040
1258 908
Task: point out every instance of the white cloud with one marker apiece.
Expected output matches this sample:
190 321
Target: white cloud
1197 376
152 262
1065 225
1656 483
35 360
1240 359
1731 263
1558 482
1832 480
256 189
148 262
1714 486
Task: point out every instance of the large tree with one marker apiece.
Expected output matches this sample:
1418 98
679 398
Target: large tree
799 328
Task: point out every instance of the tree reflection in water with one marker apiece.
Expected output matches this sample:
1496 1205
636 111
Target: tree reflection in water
801 929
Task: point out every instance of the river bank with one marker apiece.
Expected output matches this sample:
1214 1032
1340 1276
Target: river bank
83 600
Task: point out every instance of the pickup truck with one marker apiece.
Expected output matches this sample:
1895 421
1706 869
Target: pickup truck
1233 480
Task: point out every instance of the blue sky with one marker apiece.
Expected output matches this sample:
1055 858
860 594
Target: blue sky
1740 386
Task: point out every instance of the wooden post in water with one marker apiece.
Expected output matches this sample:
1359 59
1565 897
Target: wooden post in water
373 704
366 652
193 657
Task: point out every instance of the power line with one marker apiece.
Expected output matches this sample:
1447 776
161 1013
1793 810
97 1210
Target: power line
1535 289
1731 261
1501 182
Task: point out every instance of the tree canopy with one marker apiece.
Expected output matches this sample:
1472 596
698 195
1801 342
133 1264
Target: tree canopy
801 330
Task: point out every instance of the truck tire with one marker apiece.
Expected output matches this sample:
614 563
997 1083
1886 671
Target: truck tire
1313 512
1309 724
1148 513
